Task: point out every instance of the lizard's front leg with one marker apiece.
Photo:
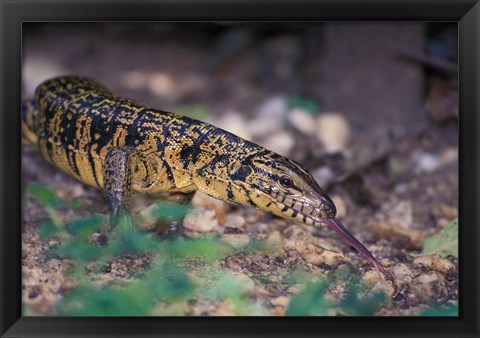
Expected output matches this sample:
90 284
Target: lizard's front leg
118 183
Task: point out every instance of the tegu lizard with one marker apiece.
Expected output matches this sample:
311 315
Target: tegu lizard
121 147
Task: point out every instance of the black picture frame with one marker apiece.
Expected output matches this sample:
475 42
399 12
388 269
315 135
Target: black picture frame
14 12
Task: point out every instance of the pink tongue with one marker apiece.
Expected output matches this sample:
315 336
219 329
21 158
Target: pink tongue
350 239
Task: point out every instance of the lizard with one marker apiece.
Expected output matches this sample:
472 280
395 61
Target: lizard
122 147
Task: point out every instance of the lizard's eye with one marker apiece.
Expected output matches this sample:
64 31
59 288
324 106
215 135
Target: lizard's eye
286 182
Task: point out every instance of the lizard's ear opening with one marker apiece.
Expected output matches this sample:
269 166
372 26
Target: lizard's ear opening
241 173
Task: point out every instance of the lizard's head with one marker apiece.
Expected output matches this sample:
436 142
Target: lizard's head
278 185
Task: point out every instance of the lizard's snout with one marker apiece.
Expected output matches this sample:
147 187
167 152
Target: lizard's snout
327 208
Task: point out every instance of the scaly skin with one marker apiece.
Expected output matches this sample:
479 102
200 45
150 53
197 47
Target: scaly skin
122 148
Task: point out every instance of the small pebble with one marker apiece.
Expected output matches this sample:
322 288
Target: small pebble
340 205
234 221
270 117
201 220
426 163
333 131
274 107
201 200
378 283
402 275
428 286
434 262
236 240
395 221
235 123
280 142
275 237
323 176
316 255
302 121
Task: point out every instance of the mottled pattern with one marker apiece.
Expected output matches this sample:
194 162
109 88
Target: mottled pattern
78 122
122 147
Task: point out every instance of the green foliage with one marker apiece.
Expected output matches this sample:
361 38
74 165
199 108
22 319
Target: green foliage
84 227
43 194
48 199
312 300
195 111
46 229
134 299
183 270
449 310
445 244
304 103
209 249
354 305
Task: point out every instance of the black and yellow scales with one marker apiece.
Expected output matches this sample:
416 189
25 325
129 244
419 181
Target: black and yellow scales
122 147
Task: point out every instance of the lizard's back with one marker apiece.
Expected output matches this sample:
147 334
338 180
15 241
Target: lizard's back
77 121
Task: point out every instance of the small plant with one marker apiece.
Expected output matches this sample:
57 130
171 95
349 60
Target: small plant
444 244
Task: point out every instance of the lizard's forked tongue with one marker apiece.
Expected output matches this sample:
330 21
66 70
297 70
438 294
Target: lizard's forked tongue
350 239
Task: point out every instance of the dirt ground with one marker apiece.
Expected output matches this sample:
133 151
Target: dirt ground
364 107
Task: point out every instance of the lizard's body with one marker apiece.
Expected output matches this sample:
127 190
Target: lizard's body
121 147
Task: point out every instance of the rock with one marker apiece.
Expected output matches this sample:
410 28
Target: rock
323 176
236 240
275 237
333 131
435 263
201 220
426 163
445 211
401 236
429 286
402 275
234 221
302 121
235 123
340 204
278 311
280 142
316 255
378 283
201 200
162 84
37 69
396 224
270 117
274 107
449 156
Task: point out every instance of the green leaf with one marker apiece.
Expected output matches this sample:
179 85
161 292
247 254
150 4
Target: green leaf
310 301
84 226
132 242
354 305
46 229
80 251
76 204
170 211
444 244
195 111
43 194
304 103
450 310
210 249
